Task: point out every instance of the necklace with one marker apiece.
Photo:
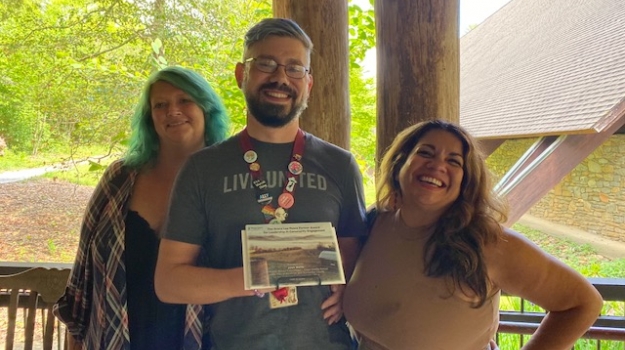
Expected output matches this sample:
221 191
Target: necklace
286 200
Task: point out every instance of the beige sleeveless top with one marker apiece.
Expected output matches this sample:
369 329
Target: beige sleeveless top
393 305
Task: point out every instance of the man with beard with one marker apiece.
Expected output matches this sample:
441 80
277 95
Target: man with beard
271 172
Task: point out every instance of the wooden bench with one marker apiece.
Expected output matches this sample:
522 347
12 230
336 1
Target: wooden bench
35 289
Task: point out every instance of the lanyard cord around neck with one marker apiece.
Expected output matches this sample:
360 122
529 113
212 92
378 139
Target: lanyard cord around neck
286 199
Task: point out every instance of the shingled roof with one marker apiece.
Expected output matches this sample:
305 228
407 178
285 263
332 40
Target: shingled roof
543 67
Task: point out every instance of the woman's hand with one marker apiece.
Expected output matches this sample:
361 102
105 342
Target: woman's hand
333 306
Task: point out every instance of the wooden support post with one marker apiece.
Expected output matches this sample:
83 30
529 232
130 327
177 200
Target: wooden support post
325 21
417 64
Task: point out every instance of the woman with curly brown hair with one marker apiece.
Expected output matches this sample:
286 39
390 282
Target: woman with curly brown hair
431 272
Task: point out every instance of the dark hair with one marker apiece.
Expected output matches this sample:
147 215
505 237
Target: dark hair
282 27
144 142
455 249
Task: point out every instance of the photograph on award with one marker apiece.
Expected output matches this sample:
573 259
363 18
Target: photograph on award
278 255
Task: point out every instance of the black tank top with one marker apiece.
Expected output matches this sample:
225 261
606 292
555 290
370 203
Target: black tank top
152 323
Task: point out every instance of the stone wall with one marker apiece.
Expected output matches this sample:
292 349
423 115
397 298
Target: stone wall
591 197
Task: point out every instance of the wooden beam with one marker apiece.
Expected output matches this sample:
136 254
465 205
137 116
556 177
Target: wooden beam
533 156
417 64
325 21
546 164
489 146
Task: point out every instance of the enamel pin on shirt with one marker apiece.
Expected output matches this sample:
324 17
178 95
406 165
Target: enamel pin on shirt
286 199
283 297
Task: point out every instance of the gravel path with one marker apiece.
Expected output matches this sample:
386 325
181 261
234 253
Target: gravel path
40 220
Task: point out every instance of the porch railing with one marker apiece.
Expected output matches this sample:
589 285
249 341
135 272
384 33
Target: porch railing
610 326
608 331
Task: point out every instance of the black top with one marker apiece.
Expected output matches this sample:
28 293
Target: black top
152 323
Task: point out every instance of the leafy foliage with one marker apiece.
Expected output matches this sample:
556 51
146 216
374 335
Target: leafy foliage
361 33
73 69
362 90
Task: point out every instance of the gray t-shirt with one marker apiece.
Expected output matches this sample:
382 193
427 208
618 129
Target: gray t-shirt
214 199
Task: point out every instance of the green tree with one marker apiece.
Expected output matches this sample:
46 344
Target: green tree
362 89
73 69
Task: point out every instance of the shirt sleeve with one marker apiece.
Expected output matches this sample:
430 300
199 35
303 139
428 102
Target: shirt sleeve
186 219
352 222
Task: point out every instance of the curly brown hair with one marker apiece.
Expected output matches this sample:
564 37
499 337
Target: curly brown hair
455 250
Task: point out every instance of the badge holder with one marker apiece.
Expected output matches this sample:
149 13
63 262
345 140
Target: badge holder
299 279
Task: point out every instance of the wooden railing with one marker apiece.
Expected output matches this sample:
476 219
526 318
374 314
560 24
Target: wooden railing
522 322
607 327
9 267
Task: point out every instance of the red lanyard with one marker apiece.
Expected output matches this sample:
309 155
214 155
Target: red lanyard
286 199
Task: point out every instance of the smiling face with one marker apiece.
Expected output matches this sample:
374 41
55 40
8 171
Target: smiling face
177 119
275 99
431 177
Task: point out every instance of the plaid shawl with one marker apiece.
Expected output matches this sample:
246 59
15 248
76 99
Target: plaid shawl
94 303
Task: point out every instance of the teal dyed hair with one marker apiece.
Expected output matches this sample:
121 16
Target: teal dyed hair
144 142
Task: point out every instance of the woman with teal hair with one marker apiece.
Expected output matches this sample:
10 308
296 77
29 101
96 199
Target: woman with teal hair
109 302
144 141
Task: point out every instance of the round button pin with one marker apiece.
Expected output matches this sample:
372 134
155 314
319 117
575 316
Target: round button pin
254 167
250 156
286 200
295 168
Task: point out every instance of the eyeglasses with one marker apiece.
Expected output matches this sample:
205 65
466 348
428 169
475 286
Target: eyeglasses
267 65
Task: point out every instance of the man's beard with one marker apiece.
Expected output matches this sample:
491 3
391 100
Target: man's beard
274 115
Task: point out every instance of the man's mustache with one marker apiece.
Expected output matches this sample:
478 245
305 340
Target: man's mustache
279 87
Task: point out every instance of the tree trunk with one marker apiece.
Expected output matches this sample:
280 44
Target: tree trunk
325 21
417 65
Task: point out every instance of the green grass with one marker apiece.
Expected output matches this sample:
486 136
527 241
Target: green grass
19 160
13 161
581 257
82 166
84 174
